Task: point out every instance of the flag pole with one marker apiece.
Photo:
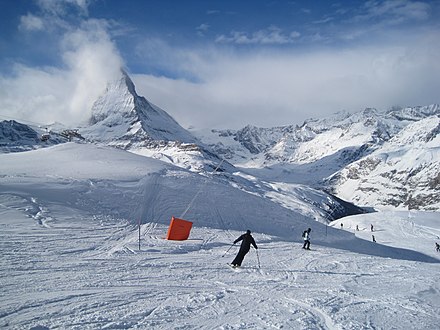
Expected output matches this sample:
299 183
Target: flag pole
139 234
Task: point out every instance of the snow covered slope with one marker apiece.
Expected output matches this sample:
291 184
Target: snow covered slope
147 182
70 254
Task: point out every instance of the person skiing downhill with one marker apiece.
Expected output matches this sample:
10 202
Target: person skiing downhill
306 236
247 240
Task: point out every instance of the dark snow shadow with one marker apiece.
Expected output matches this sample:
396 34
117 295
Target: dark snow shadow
361 246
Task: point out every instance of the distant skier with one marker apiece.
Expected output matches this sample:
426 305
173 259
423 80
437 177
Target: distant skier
342 225
374 238
357 227
371 227
247 240
437 247
306 237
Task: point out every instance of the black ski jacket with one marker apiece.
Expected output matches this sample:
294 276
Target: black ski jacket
247 241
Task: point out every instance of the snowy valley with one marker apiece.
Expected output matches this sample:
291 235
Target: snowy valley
84 215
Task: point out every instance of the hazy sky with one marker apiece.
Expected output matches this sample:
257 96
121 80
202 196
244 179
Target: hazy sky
219 64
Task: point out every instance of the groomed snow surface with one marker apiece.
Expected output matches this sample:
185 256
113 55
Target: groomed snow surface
70 256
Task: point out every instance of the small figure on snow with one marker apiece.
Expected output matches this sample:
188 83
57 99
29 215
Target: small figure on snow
374 239
342 225
247 240
306 237
357 227
437 247
371 227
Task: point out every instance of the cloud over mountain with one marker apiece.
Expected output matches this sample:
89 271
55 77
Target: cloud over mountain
89 59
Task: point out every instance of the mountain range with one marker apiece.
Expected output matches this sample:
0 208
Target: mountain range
369 159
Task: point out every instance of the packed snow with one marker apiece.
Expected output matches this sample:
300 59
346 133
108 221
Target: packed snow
71 257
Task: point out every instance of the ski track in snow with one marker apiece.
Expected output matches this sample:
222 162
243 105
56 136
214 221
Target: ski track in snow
87 273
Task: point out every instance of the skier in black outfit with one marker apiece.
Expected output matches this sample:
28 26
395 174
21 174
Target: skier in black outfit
247 240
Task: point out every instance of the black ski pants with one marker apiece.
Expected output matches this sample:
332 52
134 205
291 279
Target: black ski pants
240 256
306 244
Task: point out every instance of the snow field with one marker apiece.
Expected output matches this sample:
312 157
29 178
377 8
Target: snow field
87 273
69 254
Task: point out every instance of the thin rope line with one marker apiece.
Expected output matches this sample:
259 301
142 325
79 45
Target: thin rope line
200 190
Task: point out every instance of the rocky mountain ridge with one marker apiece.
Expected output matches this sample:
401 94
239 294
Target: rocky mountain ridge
340 153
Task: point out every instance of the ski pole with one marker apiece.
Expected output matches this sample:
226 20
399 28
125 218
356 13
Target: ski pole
258 258
228 250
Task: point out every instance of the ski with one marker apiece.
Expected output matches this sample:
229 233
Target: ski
233 267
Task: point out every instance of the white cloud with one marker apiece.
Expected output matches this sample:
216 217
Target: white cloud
59 7
202 29
269 89
51 15
396 11
44 95
31 23
399 8
271 35
93 61
225 88
90 58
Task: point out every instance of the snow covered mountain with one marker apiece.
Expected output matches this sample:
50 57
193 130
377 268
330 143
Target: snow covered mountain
16 137
337 152
404 172
315 138
369 158
123 119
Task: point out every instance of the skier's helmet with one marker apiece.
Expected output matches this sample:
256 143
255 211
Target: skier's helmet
248 231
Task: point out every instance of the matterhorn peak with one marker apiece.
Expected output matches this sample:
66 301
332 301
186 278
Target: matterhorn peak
123 83
121 114
118 98
127 82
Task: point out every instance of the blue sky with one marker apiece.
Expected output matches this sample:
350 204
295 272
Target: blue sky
222 64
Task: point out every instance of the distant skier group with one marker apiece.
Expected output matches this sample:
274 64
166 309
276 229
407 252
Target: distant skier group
437 247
